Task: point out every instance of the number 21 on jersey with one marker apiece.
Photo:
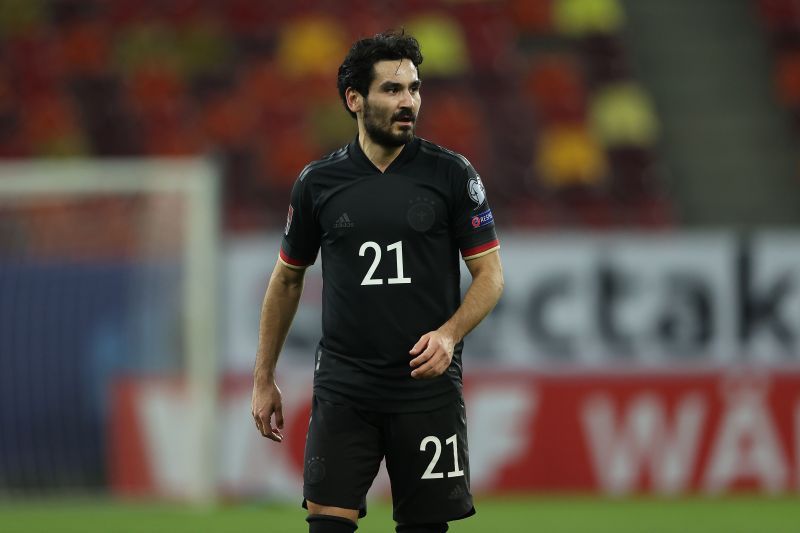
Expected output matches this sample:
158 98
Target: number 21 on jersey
397 248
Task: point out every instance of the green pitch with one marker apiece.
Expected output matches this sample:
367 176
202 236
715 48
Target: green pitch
509 515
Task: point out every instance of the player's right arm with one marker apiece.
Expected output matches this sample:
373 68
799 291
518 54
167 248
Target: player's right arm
277 312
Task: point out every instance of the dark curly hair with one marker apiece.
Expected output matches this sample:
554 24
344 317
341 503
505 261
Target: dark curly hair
356 70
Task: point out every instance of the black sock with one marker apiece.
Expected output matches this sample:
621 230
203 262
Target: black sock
422 528
323 523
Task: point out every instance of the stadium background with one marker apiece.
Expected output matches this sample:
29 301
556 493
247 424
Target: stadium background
641 161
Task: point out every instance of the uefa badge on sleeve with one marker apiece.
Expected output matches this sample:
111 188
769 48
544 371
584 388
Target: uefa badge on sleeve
482 219
289 220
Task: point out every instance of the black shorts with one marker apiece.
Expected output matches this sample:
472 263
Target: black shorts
426 458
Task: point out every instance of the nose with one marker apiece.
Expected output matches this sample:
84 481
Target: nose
407 100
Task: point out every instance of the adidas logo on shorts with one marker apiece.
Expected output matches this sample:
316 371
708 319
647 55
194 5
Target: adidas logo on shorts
456 493
344 222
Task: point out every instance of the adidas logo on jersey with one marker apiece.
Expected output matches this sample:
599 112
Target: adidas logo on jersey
344 222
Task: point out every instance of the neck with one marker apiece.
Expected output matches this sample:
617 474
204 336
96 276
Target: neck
381 156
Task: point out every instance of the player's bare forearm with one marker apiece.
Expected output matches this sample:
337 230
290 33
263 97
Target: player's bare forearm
434 350
482 295
277 311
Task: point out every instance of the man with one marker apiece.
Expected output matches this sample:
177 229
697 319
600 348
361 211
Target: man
390 213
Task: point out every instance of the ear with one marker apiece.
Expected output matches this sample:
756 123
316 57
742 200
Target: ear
354 100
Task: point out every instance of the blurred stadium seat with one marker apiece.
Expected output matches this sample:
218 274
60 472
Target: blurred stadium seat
586 17
555 87
140 78
781 19
443 42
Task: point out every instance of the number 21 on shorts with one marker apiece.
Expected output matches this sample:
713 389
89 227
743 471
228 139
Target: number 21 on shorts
437 452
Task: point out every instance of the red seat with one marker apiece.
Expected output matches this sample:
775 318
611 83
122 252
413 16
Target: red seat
787 78
453 118
554 85
780 15
534 17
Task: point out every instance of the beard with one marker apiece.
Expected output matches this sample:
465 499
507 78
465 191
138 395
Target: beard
380 131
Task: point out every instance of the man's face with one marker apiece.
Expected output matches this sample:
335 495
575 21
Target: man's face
392 105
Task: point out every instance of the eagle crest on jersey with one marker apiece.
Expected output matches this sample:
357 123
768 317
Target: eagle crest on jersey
421 215
476 190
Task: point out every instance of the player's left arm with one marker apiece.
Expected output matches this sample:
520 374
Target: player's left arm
433 352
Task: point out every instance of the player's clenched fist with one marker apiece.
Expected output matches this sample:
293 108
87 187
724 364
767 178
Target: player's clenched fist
434 352
266 402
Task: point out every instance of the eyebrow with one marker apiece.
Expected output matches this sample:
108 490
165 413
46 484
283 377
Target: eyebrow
395 85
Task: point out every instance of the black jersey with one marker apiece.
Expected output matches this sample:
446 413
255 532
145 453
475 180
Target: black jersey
390 266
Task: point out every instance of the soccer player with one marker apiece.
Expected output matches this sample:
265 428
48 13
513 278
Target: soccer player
390 213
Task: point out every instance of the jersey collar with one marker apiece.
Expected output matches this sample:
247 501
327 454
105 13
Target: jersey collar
406 154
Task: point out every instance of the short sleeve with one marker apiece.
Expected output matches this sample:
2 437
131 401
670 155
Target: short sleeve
301 236
473 221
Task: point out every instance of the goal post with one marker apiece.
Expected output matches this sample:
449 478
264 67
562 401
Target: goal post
165 211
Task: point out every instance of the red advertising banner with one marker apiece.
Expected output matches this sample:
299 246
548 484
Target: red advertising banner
613 433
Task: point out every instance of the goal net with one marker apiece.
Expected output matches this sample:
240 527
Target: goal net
107 268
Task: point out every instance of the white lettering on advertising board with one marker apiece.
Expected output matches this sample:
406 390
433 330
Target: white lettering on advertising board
613 299
643 440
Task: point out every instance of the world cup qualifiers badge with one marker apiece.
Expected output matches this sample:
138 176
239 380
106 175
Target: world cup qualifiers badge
476 191
288 220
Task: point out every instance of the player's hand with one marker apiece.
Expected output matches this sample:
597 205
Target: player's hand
266 403
433 353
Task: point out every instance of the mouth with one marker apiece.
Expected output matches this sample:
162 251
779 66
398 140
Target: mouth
404 119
